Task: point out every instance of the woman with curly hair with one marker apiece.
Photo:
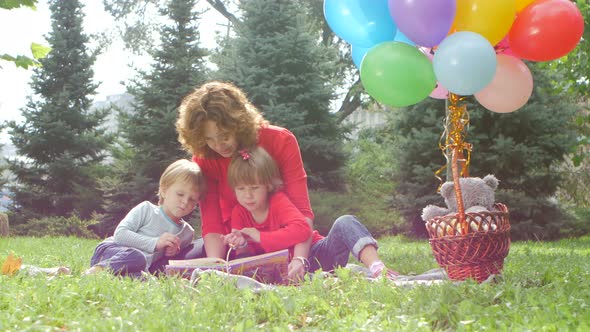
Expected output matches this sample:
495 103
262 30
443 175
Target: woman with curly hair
215 121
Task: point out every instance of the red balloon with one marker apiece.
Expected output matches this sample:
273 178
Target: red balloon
546 30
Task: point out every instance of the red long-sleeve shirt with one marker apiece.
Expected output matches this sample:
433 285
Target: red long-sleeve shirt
283 227
216 206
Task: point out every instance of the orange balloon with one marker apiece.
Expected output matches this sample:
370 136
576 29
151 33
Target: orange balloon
510 88
489 18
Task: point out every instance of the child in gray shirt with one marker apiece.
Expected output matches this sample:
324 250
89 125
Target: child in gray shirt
151 233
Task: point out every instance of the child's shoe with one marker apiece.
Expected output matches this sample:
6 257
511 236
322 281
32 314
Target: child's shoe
377 269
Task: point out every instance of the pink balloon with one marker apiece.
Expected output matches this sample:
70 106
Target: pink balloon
510 88
439 92
503 47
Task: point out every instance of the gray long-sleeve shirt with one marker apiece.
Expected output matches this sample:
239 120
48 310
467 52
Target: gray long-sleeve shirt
142 227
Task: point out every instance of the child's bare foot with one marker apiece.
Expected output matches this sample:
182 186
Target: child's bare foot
55 271
93 270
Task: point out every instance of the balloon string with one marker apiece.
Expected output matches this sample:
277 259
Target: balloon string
453 137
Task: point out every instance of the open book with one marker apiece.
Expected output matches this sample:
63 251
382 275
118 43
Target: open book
269 268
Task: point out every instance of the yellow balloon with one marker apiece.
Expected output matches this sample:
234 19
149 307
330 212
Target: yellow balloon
520 4
489 18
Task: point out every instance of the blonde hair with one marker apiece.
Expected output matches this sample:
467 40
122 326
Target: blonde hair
182 170
227 106
253 166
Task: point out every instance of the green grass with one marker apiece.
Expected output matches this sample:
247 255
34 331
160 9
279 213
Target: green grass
546 287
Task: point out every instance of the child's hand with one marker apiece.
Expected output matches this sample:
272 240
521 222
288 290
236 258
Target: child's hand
235 239
295 271
171 251
251 233
168 240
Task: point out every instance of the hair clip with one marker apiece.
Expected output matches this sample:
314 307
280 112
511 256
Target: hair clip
244 153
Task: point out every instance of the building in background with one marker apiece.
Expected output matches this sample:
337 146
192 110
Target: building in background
373 117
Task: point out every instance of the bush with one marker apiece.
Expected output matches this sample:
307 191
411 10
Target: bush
374 212
55 226
541 218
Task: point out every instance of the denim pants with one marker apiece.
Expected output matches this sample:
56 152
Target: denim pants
128 261
347 236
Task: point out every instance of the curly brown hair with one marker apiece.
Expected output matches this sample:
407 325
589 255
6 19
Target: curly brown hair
227 106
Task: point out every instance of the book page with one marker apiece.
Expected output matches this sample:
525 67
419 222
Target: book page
268 268
196 262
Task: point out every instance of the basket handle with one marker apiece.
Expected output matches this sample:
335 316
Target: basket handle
458 193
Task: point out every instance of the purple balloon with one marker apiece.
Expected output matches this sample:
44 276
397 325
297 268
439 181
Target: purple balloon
425 22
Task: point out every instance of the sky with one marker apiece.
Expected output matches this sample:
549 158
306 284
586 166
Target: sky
20 27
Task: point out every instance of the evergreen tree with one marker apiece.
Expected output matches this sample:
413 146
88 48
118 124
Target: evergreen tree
278 59
148 130
522 149
61 140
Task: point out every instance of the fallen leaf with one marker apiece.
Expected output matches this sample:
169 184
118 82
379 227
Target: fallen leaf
11 265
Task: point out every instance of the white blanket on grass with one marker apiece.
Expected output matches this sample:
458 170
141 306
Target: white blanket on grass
431 277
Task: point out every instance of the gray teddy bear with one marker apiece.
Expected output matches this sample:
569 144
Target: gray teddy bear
478 196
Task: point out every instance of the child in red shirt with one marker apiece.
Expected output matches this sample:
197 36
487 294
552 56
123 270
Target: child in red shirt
265 220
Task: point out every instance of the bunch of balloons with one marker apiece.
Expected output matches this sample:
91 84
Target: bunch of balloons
407 50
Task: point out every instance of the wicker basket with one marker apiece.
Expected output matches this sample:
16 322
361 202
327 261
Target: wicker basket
475 249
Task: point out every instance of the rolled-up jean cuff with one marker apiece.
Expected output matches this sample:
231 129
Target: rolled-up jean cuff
361 244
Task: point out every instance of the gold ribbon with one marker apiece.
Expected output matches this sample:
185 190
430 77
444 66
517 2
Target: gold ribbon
453 138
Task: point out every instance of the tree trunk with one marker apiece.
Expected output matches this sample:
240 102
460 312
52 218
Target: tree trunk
3 225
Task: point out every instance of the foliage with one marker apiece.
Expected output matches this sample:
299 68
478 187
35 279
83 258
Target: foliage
39 51
277 59
55 227
373 211
545 287
61 141
522 149
14 4
370 167
149 137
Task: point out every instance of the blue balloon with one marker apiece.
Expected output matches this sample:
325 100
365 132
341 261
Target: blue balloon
358 53
464 62
360 22
400 37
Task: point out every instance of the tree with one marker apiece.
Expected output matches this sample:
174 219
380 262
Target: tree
149 127
523 149
278 60
61 141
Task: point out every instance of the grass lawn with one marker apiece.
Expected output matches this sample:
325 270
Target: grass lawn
546 287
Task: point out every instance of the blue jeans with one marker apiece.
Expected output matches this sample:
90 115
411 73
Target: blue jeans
347 236
128 261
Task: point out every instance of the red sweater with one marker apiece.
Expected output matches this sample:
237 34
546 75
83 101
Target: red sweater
283 228
216 206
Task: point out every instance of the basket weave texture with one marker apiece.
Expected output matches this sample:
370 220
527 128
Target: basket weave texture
475 249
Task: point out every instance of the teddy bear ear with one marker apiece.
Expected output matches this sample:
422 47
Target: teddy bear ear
446 189
491 181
